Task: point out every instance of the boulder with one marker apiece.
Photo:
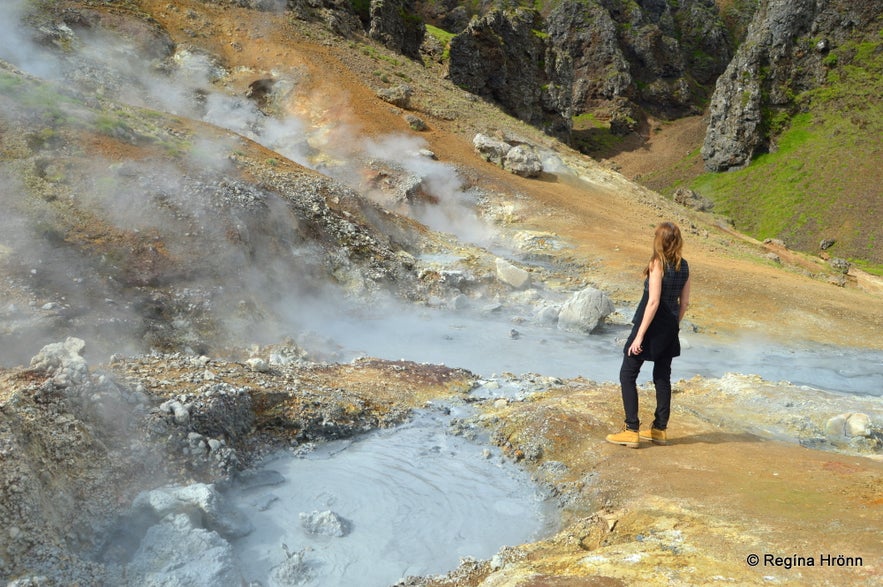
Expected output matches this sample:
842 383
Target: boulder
523 161
511 275
585 310
399 95
491 149
519 159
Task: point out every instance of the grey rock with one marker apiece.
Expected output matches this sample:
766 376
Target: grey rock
399 95
491 149
205 504
690 199
523 161
415 122
395 24
176 553
841 265
500 57
585 310
548 314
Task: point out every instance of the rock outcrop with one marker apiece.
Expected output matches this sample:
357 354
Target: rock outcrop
504 57
659 55
783 55
586 56
395 25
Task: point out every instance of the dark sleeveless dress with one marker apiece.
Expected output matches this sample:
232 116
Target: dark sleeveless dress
661 339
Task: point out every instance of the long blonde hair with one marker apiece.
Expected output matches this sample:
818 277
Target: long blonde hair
667 245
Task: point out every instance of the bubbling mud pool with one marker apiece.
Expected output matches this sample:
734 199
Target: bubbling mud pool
412 500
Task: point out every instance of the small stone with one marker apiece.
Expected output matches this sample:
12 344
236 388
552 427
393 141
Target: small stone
258 365
325 523
415 122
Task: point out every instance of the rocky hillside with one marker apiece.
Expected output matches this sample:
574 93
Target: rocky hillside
602 75
798 113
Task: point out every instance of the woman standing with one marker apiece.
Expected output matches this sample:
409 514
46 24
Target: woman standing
654 336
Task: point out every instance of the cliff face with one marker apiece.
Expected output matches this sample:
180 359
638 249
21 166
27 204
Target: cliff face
656 56
504 57
661 56
782 56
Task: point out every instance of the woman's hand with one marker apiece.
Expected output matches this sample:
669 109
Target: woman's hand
637 346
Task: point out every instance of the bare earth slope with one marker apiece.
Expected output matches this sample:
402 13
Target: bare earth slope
608 220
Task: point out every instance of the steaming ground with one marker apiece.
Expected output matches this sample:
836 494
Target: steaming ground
491 342
216 241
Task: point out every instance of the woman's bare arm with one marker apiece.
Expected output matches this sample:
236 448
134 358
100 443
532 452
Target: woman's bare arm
685 299
655 293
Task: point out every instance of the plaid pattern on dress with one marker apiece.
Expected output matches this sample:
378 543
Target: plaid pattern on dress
672 284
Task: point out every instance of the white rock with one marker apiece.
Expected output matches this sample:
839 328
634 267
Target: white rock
522 160
835 427
63 361
490 149
175 553
325 523
512 275
858 424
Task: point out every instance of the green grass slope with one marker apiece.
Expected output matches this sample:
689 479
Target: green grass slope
825 178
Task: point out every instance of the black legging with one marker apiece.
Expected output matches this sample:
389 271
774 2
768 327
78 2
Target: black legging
628 379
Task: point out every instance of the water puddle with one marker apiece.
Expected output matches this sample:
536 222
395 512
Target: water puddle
412 500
